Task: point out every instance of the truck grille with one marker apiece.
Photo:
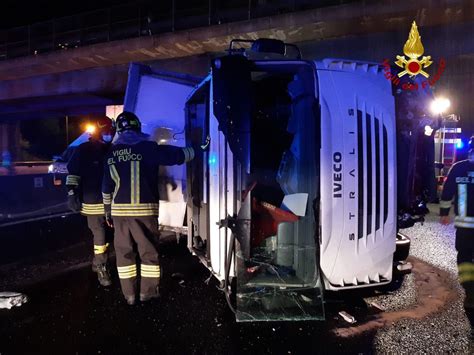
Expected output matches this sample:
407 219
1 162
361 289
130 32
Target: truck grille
372 143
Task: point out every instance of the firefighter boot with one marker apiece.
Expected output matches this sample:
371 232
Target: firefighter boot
130 300
148 297
103 275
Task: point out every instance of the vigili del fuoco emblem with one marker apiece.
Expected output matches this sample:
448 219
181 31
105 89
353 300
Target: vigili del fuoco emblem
413 49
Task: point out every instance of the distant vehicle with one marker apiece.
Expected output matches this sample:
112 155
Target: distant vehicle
59 165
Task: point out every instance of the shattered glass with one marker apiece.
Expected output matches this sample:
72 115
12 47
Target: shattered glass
278 279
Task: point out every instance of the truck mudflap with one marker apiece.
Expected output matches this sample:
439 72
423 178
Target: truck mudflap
358 186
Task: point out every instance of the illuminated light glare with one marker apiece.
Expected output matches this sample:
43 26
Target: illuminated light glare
459 144
50 168
90 129
212 159
162 141
428 130
440 105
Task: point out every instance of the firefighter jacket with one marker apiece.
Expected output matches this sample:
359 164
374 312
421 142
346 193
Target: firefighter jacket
458 189
85 170
130 185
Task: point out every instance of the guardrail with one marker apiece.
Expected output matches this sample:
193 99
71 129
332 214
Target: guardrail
136 20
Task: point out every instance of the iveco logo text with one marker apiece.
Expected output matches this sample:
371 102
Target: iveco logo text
337 174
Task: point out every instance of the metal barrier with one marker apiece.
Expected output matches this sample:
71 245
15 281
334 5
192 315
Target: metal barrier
136 20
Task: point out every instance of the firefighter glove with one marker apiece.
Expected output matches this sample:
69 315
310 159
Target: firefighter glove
108 219
206 144
203 147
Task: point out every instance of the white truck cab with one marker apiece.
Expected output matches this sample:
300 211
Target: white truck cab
297 193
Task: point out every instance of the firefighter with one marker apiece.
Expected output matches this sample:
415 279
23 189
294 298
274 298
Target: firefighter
130 193
84 184
458 189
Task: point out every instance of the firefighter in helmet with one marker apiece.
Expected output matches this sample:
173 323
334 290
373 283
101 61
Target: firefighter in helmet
84 184
130 193
458 189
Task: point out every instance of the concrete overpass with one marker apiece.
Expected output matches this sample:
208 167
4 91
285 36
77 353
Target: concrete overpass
85 79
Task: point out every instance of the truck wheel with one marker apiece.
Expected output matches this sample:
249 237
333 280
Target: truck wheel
402 248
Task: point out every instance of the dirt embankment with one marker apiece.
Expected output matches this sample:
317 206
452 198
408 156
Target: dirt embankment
433 294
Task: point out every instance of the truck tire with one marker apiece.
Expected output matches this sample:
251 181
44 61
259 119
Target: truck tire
402 247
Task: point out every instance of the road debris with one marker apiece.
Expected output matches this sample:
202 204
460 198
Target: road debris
347 317
9 300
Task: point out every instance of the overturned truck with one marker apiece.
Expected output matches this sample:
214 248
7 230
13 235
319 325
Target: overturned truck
298 191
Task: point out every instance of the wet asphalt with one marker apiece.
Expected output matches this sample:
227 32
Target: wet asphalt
69 313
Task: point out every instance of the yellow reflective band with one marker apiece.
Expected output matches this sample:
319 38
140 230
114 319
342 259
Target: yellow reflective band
466 277
72 180
107 198
466 267
462 200
127 275
135 211
100 249
116 178
93 206
92 209
135 182
445 204
137 186
135 214
188 154
132 182
151 275
138 210
131 206
95 213
126 268
150 267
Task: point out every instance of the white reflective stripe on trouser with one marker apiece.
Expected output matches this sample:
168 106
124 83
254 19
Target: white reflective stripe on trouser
127 272
462 224
445 204
150 271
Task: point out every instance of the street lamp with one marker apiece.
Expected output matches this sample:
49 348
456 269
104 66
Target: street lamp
90 129
440 105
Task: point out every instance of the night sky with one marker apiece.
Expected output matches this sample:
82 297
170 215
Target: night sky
13 12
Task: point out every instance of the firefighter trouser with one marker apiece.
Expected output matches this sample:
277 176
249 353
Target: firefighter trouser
97 226
465 259
144 232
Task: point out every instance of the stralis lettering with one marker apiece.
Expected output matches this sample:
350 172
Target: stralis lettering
123 155
337 175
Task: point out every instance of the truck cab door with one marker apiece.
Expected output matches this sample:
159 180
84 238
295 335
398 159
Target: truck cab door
273 276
